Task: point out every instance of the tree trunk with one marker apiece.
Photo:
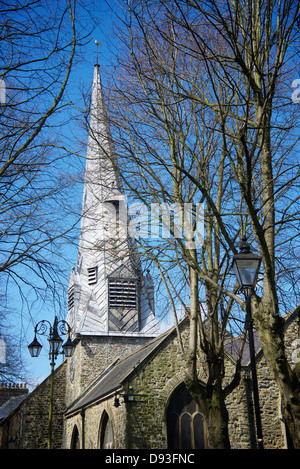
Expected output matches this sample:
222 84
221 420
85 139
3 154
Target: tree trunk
291 410
217 422
210 398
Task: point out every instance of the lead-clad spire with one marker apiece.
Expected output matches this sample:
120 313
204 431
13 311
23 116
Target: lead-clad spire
107 293
101 162
102 180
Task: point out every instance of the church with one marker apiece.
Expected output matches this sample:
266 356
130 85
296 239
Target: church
123 386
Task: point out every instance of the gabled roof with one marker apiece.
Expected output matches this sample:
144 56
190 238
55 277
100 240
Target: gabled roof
10 405
233 346
111 380
114 376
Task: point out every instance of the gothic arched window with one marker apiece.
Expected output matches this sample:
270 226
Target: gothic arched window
185 423
106 433
75 442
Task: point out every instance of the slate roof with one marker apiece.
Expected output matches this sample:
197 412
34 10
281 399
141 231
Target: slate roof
233 348
111 380
10 405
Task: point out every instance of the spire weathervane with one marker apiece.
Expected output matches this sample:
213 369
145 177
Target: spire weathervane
98 43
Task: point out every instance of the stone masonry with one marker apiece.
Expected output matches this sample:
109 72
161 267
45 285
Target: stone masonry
27 426
141 423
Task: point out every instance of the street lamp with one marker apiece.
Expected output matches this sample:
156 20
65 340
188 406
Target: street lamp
68 348
246 267
35 347
44 327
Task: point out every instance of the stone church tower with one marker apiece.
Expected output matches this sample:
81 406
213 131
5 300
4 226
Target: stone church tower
110 302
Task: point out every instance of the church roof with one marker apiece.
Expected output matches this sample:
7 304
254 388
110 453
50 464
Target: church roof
10 405
233 347
111 380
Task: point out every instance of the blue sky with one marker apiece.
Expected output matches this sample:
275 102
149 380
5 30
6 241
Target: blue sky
81 78
23 317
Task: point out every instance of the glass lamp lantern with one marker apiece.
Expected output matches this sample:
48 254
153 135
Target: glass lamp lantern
68 348
34 348
55 342
246 266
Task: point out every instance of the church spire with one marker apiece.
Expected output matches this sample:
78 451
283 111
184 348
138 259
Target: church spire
101 176
108 294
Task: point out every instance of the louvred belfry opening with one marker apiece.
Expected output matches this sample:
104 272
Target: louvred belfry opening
122 293
71 297
123 301
92 275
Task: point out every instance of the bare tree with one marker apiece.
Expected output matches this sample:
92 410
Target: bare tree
12 367
257 62
168 148
209 118
38 51
248 50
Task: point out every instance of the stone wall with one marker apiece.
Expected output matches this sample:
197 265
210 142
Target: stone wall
241 409
241 412
93 354
151 387
27 426
141 423
89 425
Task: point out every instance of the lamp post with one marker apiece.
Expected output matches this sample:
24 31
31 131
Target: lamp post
246 266
44 327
